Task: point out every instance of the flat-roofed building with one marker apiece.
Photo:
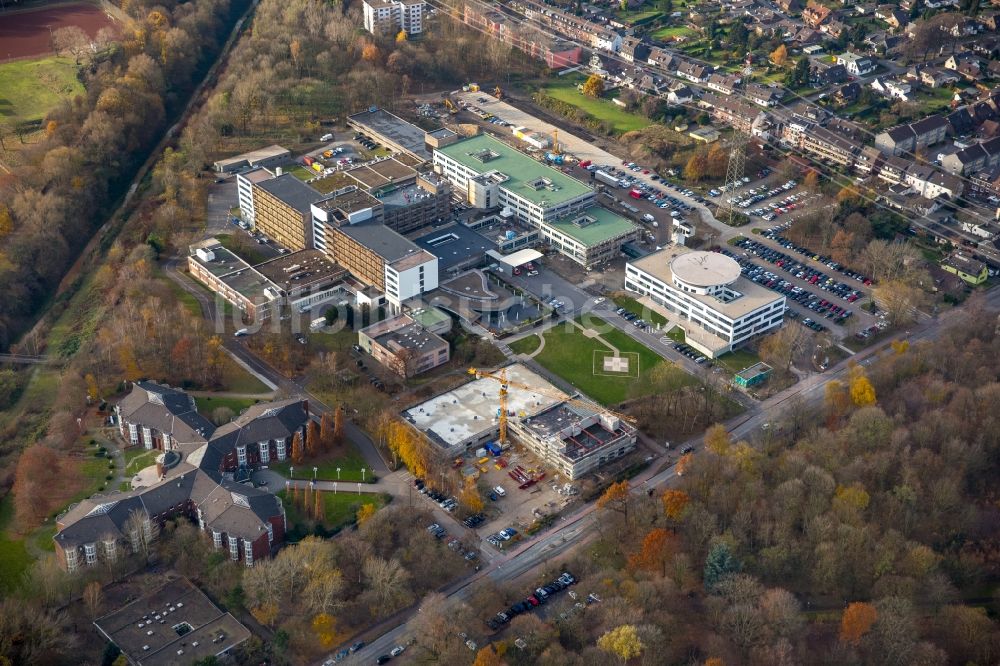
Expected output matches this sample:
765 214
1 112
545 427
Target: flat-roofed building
381 258
297 281
489 173
348 205
271 156
457 247
705 293
391 131
590 236
410 199
401 344
282 210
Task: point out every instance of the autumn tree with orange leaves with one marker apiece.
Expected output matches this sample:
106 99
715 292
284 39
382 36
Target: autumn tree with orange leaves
654 555
297 454
857 621
674 503
616 498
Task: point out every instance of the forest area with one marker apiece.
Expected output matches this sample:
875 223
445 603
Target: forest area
863 531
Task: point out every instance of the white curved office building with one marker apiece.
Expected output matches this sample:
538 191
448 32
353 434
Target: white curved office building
705 294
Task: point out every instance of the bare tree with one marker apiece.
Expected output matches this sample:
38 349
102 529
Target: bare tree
93 598
388 584
71 39
142 532
780 348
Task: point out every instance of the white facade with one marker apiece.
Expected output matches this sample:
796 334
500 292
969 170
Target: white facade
244 190
402 284
717 309
383 16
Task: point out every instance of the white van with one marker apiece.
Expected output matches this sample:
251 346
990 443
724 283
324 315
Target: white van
500 491
648 218
326 137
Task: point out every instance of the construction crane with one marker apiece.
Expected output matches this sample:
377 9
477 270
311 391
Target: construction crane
498 93
555 142
505 384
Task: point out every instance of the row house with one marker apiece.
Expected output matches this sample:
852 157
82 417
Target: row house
663 59
893 169
931 183
634 50
732 111
723 83
913 136
985 155
868 161
830 146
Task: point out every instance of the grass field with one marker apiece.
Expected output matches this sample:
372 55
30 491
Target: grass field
14 556
238 380
603 109
670 33
738 360
632 305
525 345
207 404
339 508
350 463
138 458
570 354
301 172
30 88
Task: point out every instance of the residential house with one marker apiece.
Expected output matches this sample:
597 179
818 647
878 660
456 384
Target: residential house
830 146
680 94
856 65
694 72
833 28
957 59
911 137
606 40
883 43
960 122
990 21
931 183
892 88
823 73
805 37
993 69
893 169
650 84
987 47
848 93
969 270
815 14
634 50
662 59
965 27
868 161
732 111
896 18
763 95
981 156
935 77
723 83
789 6
971 71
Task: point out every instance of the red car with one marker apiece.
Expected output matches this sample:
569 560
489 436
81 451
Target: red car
532 600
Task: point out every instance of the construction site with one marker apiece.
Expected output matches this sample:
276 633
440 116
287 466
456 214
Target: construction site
568 433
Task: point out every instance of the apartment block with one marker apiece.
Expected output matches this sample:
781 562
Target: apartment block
282 210
388 16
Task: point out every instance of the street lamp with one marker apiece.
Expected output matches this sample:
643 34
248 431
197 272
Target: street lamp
334 487
362 473
315 469
291 472
338 474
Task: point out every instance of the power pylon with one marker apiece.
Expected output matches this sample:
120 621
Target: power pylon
734 172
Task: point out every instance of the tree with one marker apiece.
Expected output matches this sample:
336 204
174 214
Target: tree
799 76
297 454
779 56
324 626
370 53
674 503
622 642
142 532
71 39
487 656
837 401
470 497
811 181
657 548
856 621
683 463
400 36
313 443
719 564
593 86
616 498
319 508
780 348
717 440
862 391
37 472
93 598
717 161
326 431
222 415
696 167
338 425
365 513
899 300
388 584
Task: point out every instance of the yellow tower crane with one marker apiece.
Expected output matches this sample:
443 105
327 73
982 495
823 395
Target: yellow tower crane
555 142
505 384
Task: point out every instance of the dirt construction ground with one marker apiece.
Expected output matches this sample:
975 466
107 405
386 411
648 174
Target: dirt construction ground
520 508
27 34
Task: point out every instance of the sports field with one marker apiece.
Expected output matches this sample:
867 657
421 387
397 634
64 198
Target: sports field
29 88
24 34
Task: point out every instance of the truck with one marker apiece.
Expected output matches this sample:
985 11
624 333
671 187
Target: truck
607 178
317 324
635 194
308 161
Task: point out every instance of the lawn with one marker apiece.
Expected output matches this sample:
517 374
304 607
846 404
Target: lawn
676 334
238 380
339 508
349 461
671 32
187 299
621 120
632 305
138 458
30 88
207 404
738 360
525 345
300 172
570 354
14 556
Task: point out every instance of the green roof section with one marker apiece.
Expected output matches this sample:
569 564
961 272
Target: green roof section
484 153
598 225
430 317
